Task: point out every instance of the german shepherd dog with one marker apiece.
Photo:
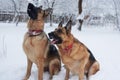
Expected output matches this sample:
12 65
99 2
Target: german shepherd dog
75 55
37 46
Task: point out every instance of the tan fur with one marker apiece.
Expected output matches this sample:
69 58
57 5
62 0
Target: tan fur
76 59
54 67
35 52
36 49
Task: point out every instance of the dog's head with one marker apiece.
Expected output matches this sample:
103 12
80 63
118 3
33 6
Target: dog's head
37 12
61 34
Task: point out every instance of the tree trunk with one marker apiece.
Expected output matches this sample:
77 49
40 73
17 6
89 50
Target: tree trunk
80 26
80 6
80 11
51 18
117 19
15 11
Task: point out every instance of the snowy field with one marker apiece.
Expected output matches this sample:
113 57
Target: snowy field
103 42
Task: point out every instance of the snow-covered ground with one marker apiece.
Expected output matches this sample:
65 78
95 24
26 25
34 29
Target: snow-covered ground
103 42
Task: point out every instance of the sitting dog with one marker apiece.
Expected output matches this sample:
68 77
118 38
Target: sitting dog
36 45
75 55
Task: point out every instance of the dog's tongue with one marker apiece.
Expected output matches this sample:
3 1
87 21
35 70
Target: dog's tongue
53 41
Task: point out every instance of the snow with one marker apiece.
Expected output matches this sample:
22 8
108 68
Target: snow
104 42
8 5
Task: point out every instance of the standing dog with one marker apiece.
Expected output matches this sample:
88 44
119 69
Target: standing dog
75 55
37 46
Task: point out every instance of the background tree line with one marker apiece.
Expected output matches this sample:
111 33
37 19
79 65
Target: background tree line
103 12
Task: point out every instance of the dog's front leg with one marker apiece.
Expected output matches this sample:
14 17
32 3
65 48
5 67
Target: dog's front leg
29 66
40 69
81 69
67 72
81 74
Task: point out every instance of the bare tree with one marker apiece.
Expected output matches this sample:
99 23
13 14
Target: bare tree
52 6
36 2
51 13
15 10
80 11
116 11
18 6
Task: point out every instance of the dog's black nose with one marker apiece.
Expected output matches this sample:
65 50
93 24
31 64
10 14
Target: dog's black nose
51 35
30 7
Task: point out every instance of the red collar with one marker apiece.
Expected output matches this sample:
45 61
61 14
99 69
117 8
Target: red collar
34 32
68 48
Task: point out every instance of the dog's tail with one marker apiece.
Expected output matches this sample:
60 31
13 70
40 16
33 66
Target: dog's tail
94 68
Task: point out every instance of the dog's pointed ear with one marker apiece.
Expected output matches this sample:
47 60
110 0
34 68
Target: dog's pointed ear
68 26
60 24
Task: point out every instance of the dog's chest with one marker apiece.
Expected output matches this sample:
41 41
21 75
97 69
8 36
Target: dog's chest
35 48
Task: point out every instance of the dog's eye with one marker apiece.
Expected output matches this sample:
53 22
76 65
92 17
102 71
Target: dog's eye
59 31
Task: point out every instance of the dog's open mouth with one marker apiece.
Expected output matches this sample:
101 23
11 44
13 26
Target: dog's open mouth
54 38
54 41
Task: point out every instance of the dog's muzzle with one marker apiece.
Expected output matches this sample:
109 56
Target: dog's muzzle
56 39
32 11
51 35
